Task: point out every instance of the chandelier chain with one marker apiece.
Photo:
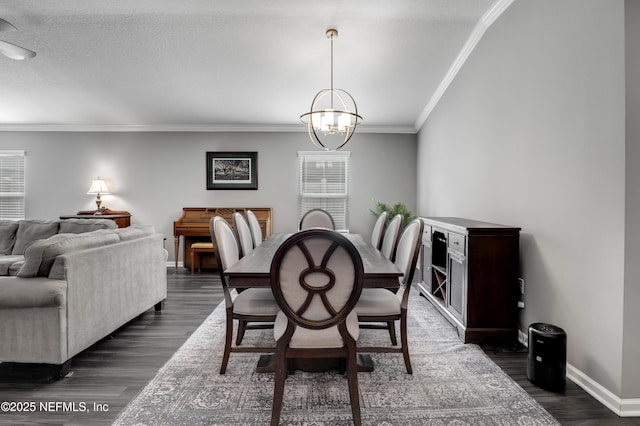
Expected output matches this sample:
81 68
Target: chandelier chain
331 36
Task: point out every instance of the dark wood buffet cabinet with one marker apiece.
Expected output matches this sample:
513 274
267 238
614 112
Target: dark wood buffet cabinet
470 274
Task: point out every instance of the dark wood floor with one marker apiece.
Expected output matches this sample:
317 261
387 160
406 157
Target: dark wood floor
113 371
573 406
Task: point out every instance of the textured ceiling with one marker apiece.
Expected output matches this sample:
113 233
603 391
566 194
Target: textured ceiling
215 65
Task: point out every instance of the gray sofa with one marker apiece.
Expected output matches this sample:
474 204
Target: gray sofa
64 285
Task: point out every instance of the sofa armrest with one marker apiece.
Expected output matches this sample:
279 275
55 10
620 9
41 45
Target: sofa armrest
109 286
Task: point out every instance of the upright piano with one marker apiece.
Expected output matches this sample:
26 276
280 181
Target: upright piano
193 226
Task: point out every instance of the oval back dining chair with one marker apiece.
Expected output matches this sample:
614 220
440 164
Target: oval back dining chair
380 305
378 230
256 230
317 218
253 305
390 239
243 232
316 278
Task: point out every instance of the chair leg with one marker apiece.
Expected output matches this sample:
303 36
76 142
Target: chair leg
405 341
278 387
192 261
242 327
354 394
227 341
391 325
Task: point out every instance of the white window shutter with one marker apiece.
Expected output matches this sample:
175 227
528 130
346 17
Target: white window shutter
12 193
323 183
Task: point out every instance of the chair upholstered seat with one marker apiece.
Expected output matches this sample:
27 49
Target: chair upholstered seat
377 306
253 308
325 338
379 301
317 218
256 230
243 233
390 239
317 276
255 301
378 230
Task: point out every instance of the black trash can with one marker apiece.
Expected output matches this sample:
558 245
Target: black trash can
547 359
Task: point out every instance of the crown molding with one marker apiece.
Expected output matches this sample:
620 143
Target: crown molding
205 128
485 22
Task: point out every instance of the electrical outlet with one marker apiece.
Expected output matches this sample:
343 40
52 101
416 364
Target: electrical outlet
521 283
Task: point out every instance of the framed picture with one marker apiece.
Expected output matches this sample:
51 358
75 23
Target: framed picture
232 170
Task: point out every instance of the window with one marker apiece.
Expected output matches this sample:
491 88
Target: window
12 185
323 182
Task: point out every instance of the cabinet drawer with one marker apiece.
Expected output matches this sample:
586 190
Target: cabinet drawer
426 235
457 242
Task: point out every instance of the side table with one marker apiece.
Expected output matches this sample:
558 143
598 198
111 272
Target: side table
121 218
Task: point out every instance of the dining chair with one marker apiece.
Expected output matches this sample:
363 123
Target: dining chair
317 218
243 232
378 230
381 305
256 230
316 278
391 236
253 305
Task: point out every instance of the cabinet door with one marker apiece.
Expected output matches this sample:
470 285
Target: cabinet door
457 294
425 264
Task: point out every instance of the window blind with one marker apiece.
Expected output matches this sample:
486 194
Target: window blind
12 194
323 182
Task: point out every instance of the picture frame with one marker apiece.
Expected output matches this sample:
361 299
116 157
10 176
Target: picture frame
232 170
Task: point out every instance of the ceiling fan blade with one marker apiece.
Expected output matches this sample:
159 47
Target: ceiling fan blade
15 52
5 26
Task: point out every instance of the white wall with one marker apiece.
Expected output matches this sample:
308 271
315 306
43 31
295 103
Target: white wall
531 134
155 175
631 350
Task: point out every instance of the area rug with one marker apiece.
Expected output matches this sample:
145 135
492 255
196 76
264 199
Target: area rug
452 384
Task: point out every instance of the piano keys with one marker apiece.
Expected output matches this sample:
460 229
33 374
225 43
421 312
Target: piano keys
193 226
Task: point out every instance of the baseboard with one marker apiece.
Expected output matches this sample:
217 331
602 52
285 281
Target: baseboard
172 264
622 407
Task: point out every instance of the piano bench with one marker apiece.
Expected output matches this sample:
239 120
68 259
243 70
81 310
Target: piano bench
196 249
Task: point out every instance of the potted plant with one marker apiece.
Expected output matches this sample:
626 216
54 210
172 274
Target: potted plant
397 208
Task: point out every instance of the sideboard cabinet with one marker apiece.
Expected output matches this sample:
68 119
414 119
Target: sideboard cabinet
469 272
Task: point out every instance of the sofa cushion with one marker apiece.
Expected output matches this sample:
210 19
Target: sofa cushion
94 239
31 230
78 226
40 255
135 231
18 293
7 263
16 266
8 230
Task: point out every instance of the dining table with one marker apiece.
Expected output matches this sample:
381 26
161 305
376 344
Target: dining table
254 270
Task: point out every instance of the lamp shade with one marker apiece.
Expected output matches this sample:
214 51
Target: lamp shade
98 186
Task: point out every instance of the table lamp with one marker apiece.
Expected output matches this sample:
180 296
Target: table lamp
98 186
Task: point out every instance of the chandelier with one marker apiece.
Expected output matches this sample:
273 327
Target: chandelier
333 117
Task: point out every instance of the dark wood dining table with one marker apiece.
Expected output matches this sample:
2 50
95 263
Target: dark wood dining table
254 270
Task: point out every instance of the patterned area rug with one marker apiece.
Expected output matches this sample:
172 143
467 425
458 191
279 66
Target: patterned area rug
452 384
